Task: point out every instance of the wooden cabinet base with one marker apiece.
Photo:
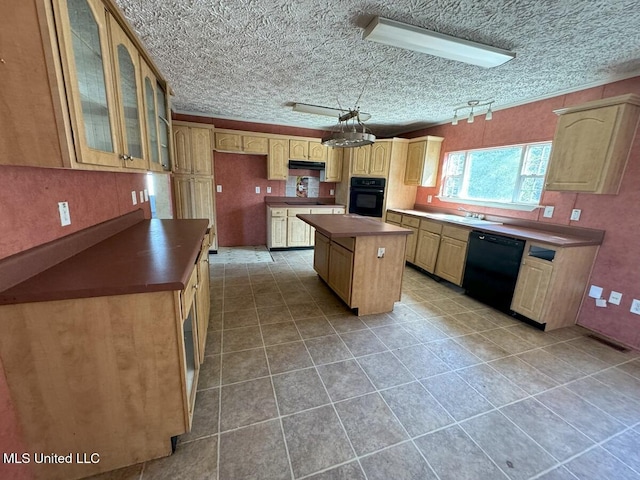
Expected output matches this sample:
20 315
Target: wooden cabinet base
96 375
364 279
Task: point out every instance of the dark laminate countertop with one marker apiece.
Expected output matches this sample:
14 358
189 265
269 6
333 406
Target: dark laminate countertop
542 232
350 225
150 256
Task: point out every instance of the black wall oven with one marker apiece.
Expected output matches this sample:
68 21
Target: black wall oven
366 196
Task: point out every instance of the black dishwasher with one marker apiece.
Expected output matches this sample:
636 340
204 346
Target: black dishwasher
492 268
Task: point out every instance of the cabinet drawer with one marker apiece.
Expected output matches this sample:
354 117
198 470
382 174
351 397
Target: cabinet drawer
456 232
189 292
322 211
292 212
347 242
278 212
394 217
430 226
339 211
408 221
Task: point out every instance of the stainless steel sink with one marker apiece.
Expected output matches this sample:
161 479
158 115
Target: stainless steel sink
462 220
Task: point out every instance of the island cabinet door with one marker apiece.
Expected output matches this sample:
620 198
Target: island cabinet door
341 271
321 256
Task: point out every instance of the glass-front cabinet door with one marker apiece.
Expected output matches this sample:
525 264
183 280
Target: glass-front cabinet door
150 84
164 129
85 47
129 89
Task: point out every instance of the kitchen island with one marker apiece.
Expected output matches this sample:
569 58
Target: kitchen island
360 258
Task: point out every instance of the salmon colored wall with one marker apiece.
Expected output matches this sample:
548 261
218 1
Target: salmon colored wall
29 217
29 200
617 265
240 211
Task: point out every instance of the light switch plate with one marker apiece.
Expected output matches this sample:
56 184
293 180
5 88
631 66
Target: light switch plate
381 252
65 217
332 191
257 189
575 214
601 302
429 198
635 306
595 291
146 195
141 196
548 212
219 188
268 189
134 197
615 297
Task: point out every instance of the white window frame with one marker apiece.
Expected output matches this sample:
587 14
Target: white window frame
514 204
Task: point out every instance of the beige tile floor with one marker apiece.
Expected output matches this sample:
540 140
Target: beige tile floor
296 386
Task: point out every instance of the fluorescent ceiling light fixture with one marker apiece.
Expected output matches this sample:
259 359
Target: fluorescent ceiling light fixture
402 35
328 111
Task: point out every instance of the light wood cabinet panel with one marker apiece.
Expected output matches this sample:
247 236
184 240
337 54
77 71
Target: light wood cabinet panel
360 159
182 146
299 149
255 145
333 167
317 152
427 249
422 162
533 281
380 158
592 144
182 193
228 142
321 256
278 232
298 233
203 300
341 271
201 151
126 61
451 259
278 159
152 118
203 201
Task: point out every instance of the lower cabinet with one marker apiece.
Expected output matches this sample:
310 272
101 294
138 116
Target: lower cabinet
116 375
452 254
285 230
321 256
551 283
427 250
341 271
412 223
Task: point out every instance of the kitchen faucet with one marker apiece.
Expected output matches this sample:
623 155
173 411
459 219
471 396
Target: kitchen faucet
469 213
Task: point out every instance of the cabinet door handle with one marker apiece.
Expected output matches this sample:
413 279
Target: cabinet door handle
195 286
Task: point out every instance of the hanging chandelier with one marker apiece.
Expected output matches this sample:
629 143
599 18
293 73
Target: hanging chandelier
473 104
350 132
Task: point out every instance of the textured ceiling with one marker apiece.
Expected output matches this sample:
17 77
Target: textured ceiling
251 59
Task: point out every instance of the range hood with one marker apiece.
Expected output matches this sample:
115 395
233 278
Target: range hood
303 165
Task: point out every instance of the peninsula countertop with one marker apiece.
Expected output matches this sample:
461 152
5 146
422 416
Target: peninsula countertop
152 255
350 225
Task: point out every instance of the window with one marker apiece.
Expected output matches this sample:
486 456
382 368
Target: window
513 174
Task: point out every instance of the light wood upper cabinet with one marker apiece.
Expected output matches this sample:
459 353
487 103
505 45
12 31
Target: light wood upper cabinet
78 95
193 151
423 157
228 142
371 160
155 120
380 159
333 166
278 159
301 149
255 145
592 144
317 152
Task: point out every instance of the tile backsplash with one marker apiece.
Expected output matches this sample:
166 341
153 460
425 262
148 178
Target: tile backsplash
302 186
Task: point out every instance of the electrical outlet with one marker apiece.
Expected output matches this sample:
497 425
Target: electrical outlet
429 198
635 306
268 189
575 214
380 252
257 189
218 188
65 216
332 192
548 212
615 297
134 197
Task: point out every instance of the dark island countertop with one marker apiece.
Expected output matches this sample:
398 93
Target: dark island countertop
150 256
350 225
